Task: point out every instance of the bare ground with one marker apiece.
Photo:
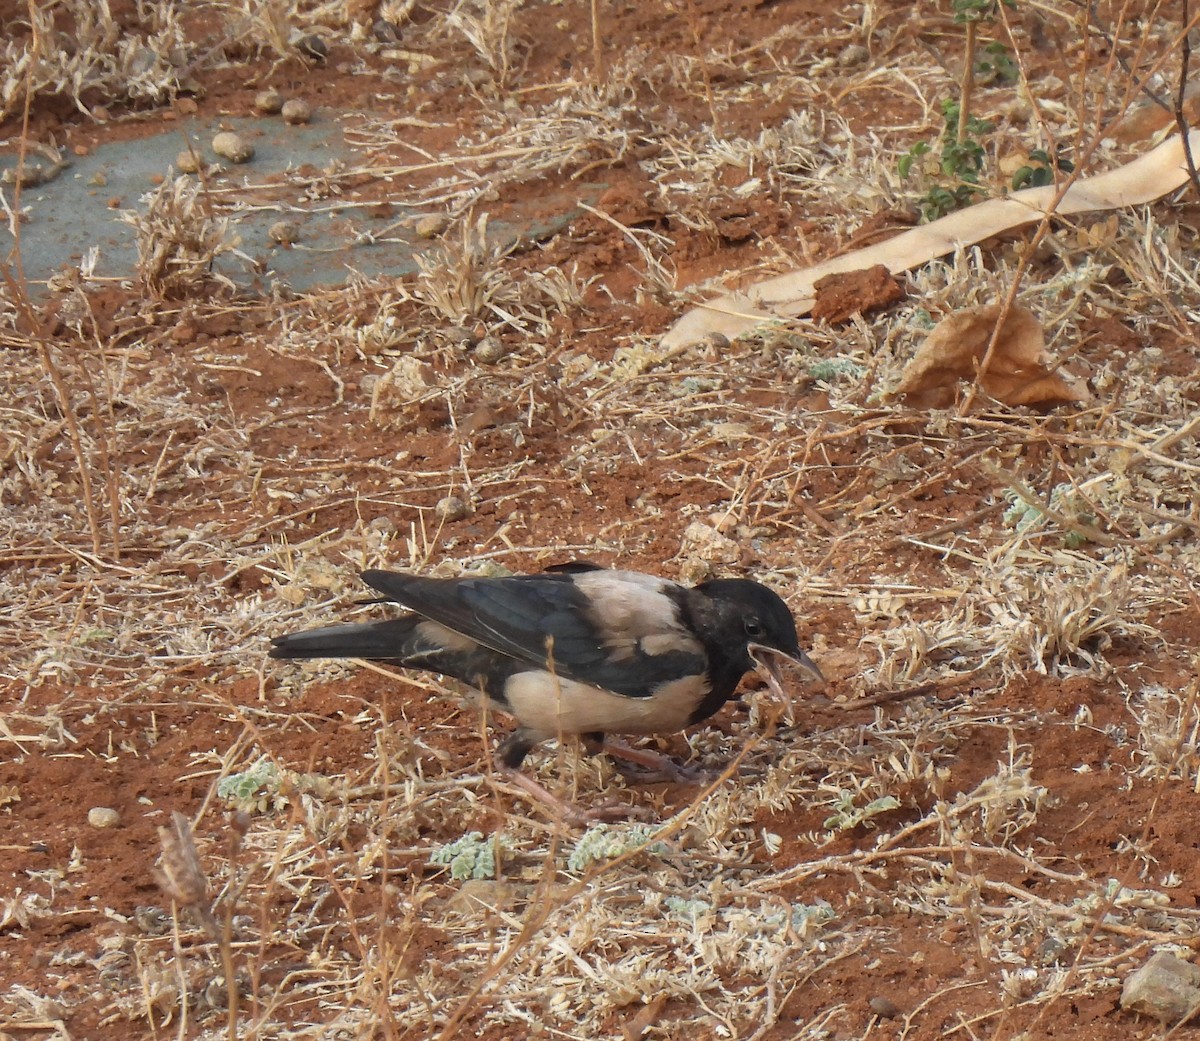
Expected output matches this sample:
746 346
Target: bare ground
979 830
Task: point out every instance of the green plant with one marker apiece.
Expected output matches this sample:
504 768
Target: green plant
471 856
1065 503
968 14
959 165
905 162
263 787
971 12
603 843
261 779
995 65
1039 171
688 910
847 816
829 369
805 917
961 156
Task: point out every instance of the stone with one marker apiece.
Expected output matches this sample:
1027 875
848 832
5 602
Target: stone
296 111
231 146
1167 988
103 817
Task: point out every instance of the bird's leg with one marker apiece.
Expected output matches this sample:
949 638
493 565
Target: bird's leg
577 815
512 752
657 767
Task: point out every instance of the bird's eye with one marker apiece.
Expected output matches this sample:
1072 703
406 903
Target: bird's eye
753 627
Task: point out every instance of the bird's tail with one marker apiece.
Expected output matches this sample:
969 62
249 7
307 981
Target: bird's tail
394 639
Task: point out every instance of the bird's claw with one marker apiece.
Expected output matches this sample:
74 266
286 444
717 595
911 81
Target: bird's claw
645 766
608 813
577 816
665 773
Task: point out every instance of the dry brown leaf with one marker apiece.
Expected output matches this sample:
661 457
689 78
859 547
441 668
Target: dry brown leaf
1018 373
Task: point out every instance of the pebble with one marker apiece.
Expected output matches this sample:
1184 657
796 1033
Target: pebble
268 102
483 894
490 350
285 232
460 336
313 47
153 921
431 225
296 111
883 1007
231 146
718 344
701 540
1166 988
451 508
855 54
103 817
385 31
187 162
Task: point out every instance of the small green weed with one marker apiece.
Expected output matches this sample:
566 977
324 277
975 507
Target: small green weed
261 779
830 369
688 910
958 167
847 816
602 843
995 65
472 856
1023 516
262 787
1039 171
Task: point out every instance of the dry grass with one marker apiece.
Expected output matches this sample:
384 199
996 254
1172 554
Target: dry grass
157 532
76 49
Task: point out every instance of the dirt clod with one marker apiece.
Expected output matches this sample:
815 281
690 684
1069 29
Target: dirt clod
855 292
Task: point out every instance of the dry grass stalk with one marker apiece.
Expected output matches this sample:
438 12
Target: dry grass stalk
76 48
179 873
179 241
887 523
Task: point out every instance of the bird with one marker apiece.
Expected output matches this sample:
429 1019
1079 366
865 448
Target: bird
576 649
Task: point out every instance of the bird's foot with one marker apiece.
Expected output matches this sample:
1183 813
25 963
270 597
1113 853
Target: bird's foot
647 767
578 816
635 773
609 813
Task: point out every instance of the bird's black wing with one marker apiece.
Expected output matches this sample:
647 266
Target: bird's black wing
611 632
572 567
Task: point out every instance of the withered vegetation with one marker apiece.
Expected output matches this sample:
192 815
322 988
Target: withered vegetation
977 831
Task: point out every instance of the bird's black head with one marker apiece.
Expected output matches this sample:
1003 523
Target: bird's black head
765 618
756 626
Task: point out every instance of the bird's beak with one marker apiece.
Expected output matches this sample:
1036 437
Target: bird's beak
767 659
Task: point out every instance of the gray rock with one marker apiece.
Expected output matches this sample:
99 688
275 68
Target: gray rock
1166 988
